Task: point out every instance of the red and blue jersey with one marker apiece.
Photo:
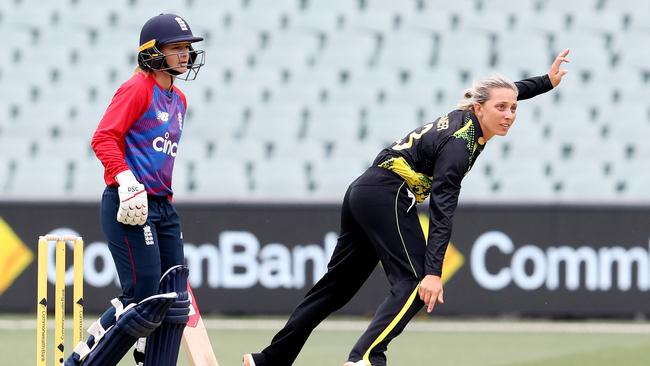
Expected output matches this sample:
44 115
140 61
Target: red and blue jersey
140 131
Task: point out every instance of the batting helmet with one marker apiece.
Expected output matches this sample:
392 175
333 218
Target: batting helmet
162 30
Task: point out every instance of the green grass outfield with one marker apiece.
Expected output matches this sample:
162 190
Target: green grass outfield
425 342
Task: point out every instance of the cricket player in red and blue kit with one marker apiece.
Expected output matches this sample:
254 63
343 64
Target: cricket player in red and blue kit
137 142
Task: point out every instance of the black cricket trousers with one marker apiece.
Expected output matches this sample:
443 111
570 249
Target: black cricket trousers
379 222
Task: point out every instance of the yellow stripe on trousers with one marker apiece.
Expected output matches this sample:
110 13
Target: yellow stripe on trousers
391 326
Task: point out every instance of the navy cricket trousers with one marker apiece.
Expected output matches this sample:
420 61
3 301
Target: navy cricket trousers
142 253
379 223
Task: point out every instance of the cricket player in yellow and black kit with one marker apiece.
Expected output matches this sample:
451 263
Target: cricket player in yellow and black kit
379 222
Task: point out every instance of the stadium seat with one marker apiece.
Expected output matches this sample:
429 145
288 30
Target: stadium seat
280 179
374 20
40 178
15 147
522 132
613 151
516 7
351 50
522 179
633 133
632 189
460 7
556 6
205 5
451 56
430 23
567 169
19 93
488 21
240 150
639 18
337 6
600 23
631 55
288 51
284 5
261 18
387 124
547 23
222 179
522 52
418 47
631 182
581 189
588 50
303 90
193 149
626 7
357 93
183 179
310 151
571 124
67 147
35 14
318 21
216 121
275 123
390 6
332 177
87 178
333 123
5 165
638 151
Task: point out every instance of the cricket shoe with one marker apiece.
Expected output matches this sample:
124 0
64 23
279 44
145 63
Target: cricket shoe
248 360
358 363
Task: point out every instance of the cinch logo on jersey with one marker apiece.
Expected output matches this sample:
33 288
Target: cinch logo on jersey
533 267
165 145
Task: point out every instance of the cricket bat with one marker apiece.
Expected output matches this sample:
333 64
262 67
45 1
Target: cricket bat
195 338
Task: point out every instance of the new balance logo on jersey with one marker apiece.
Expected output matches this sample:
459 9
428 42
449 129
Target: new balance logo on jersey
181 22
162 116
180 121
165 145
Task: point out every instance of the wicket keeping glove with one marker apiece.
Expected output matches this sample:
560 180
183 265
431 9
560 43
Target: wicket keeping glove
133 200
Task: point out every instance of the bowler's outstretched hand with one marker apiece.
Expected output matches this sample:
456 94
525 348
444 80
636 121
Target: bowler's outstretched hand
556 73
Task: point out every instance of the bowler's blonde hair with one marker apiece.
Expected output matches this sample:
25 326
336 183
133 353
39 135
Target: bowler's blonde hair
480 91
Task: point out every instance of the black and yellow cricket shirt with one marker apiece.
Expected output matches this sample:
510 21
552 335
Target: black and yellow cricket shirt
434 158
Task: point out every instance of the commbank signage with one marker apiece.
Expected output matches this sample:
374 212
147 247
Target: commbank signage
261 259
